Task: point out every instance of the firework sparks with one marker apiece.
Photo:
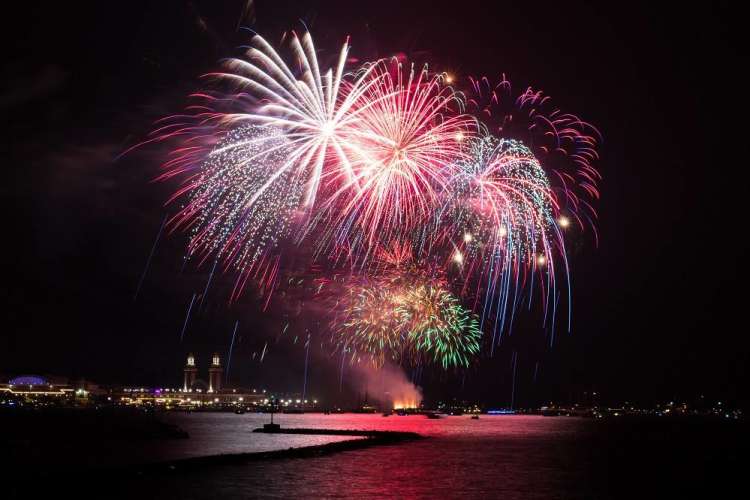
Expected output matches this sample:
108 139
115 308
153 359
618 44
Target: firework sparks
406 135
380 169
564 143
187 318
315 110
499 198
239 207
440 328
499 218
150 256
402 321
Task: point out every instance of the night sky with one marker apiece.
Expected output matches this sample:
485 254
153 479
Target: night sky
658 305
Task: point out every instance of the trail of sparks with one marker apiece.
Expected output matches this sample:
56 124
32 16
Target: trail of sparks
307 357
150 256
231 346
208 283
187 318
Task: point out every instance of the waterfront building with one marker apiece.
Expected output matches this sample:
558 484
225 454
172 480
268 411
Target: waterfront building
190 373
44 390
214 374
36 385
195 393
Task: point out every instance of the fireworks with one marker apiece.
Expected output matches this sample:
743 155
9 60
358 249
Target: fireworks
403 320
499 200
239 208
383 171
373 325
565 144
316 111
499 218
407 135
440 328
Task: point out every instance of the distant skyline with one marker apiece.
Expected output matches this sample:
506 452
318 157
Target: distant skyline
658 306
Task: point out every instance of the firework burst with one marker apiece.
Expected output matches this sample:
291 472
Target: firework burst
499 198
228 215
372 326
316 110
498 227
565 144
407 133
409 320
440 328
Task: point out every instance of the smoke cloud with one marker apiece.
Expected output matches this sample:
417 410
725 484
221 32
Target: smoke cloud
388 386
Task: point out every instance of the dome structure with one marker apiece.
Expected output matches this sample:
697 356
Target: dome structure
28 380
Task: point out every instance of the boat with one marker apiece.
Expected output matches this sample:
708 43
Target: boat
386 414
433 416
475 417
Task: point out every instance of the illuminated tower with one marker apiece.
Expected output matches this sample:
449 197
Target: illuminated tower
190 372
214 374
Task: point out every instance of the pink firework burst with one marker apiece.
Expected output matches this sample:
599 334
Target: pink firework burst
407 131
566 145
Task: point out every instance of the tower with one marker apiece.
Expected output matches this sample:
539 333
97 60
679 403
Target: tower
190 372
214 374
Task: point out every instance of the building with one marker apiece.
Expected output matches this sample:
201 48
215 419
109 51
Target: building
214 374
191 382
40 390
197 394
36 385
190 373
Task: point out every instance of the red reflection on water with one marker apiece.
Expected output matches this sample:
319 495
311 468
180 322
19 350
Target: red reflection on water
511 456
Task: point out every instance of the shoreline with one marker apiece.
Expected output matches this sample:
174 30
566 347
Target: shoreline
366 439
361 440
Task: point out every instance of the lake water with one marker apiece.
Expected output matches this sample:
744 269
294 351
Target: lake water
509 457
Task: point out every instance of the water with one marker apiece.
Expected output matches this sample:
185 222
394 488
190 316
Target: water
509 457
226 433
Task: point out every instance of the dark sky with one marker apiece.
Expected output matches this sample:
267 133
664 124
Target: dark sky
658 306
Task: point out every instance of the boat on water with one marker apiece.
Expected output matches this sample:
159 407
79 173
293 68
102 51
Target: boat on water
475 417
433 416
